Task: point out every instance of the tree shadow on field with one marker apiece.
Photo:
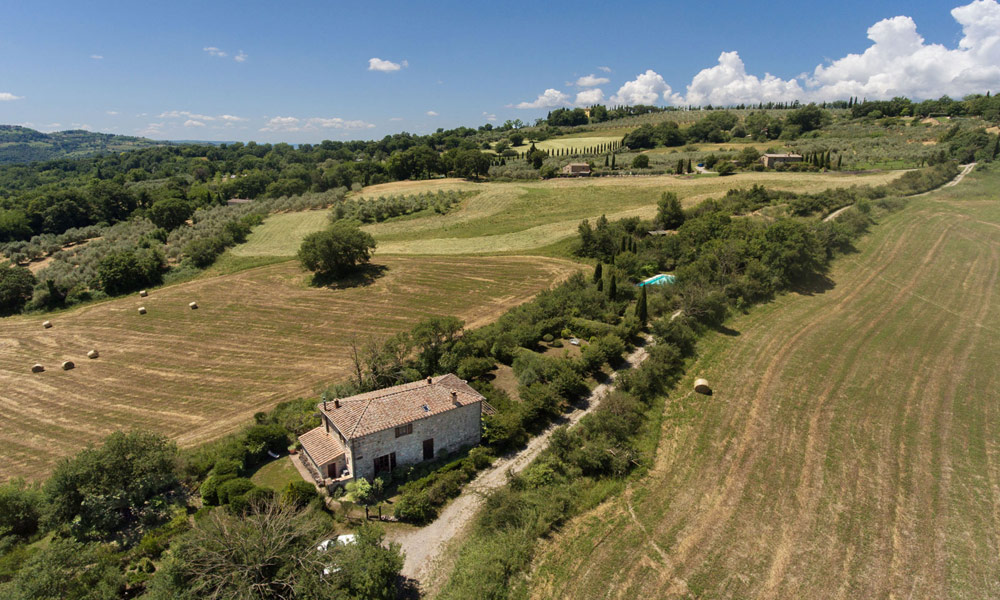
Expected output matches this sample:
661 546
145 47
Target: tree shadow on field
720 328
817 284
362 276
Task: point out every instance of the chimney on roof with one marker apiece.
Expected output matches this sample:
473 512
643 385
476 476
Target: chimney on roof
336 402
324 403
429 381
454 396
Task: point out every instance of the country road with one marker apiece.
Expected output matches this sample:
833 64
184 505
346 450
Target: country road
966 169
423 547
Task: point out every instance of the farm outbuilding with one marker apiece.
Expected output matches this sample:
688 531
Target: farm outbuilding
576 170
773 160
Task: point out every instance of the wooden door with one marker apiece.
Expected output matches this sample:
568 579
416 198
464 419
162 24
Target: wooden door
429 449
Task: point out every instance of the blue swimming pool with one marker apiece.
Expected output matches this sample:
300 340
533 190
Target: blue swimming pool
660 279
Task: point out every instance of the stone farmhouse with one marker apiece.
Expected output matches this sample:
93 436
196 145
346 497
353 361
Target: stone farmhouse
576 170
773 160
367 434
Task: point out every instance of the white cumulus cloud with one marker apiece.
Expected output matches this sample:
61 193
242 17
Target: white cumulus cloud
605 69
646 88
550 98
729 83
386 66
186 114
96 56
7 96
213 51
113 113
589 97
292 124
193 123
591 81
432 113
241 56
897 63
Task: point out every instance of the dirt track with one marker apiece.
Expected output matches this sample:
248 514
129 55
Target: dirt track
425 545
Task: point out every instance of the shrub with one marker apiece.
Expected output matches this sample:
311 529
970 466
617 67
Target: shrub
641 161
299 493
234 487
414 507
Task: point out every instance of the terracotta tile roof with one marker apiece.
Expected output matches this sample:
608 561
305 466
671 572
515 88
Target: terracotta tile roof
382 409
321 446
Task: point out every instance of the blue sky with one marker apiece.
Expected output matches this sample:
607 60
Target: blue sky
303 71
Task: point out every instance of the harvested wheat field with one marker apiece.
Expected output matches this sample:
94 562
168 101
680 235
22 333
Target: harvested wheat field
259 337
851 448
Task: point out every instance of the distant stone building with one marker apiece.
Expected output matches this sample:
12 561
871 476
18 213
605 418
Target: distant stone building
371 433
576 170
773 160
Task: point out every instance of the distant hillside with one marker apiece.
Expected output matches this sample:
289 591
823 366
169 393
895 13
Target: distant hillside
23 145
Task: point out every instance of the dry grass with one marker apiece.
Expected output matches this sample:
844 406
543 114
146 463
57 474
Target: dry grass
850 449
406 188
520 217
259 337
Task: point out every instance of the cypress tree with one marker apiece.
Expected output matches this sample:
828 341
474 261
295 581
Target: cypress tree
840 161
605 160
613 288
641 311
598 272
689 170
624 243
600 285
613 157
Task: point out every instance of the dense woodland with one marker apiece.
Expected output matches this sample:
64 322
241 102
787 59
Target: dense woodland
23 145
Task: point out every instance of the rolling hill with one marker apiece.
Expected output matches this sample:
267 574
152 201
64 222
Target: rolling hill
23 145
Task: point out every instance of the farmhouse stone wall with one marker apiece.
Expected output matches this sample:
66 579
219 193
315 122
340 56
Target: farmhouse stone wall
450 430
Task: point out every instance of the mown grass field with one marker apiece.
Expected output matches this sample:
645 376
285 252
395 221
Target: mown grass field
572 142
259 336
850 449
521 217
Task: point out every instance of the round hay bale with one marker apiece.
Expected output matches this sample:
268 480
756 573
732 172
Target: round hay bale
142 293
142 310
193 305
93 354
36 368
701 386
67 365
47 324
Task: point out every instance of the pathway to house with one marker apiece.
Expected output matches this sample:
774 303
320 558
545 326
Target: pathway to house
425 546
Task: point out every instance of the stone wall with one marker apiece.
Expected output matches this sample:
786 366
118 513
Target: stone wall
450 430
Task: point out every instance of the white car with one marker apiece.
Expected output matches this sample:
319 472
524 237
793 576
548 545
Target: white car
574 341
341 539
